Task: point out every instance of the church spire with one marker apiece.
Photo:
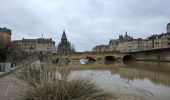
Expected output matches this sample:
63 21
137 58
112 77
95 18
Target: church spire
126 34
64 37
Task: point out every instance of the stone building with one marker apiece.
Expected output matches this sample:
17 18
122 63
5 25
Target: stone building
36 45
112 47
148 44
5 37
114 41
113 44
122 38
101 48
125 38
122 44
130 46
126 43
158 41
65 47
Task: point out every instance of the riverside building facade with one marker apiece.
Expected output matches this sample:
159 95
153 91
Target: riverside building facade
5 37
36 45
126 43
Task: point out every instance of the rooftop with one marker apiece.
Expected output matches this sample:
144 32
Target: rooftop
5 30
35 40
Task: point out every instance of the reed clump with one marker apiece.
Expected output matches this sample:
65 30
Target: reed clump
43 84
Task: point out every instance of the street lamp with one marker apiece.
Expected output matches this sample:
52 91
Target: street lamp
31 50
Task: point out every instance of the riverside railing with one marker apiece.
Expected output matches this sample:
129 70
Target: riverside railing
6 68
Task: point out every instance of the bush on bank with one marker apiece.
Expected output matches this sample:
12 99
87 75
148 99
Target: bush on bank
42 85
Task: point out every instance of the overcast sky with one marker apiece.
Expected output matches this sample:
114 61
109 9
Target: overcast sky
87 22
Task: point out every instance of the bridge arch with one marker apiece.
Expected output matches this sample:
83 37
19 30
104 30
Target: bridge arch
90 59
109 59
128 59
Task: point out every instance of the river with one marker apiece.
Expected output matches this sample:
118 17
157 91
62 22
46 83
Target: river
135 81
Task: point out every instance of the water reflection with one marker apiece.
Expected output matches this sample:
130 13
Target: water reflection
109 62
155 77
156 66
157 72
148 76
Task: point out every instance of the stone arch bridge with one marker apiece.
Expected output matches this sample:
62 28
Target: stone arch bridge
93 56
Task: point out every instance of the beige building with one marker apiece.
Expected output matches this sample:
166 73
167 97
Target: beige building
112 47
5 37
158 41
36 45
130 46
101 48
126 43
126 46
148 44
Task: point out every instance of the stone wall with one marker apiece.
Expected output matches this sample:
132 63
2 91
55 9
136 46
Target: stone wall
152 55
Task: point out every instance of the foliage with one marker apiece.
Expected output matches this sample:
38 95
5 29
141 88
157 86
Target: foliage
3 54
14 52
29 75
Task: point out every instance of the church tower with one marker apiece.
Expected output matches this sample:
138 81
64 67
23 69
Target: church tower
64 37
64 47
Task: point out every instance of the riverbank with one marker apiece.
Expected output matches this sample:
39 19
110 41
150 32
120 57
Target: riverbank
10 87
122 80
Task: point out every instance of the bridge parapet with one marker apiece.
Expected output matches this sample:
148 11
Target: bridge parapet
90 53
116 55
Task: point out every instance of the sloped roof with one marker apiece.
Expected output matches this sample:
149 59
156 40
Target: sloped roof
64 37
168 23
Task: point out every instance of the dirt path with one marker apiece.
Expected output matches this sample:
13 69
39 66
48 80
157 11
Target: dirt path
9 87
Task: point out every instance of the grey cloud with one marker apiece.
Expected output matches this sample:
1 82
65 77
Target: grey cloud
87 22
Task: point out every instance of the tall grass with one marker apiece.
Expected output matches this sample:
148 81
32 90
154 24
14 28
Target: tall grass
43 84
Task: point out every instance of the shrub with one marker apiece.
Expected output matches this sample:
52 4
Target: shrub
3 54
50 88
65 90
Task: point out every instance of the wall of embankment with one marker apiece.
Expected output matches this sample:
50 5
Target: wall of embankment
160 55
